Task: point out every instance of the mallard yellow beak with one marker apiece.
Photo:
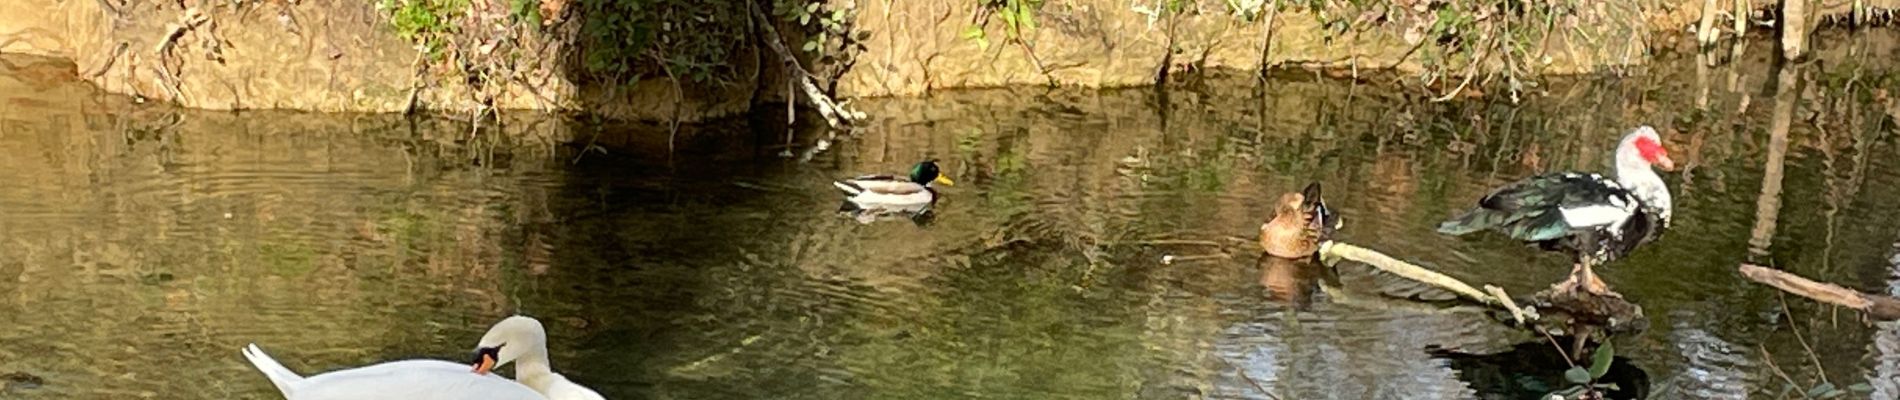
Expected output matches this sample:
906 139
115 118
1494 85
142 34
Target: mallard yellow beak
945 180
484 364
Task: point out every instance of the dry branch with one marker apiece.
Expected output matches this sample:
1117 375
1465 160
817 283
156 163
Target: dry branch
1495 297
1877 306
835 114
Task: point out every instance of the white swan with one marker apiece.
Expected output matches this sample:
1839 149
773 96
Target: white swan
520 339
407 379
523 341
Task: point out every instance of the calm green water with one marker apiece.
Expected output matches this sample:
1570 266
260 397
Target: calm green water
141 246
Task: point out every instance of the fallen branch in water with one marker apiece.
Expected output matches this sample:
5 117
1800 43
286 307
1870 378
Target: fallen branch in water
1416 273
1879 307
1568 312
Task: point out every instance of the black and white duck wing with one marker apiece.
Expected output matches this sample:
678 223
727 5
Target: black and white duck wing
1323 218
1547 207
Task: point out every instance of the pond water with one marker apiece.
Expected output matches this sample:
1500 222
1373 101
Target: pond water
141 246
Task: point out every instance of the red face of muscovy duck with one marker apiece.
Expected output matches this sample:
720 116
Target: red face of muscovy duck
1650 148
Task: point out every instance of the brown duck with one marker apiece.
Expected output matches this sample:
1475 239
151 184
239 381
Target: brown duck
1300 222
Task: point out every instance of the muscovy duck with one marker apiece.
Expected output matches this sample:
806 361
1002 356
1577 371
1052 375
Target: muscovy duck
1595 219
1300 221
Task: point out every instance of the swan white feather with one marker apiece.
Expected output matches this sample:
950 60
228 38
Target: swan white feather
406 379
517 339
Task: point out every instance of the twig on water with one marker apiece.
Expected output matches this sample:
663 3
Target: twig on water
1165 242
1560 348
1243 376
1789 314
1770 360
1174 259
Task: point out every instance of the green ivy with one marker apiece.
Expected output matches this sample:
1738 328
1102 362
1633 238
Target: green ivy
1018 18
831 33
427 23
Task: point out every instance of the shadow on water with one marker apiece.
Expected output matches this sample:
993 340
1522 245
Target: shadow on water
1534 370
142 245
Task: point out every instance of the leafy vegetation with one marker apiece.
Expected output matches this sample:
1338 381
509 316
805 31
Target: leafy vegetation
832 37
624 40
1018 17
1584 380
430 24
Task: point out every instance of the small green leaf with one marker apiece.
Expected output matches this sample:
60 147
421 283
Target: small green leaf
1026 17
811 8
1822 389
1577 375
1600 362
804 19
837 15
863 35
1862 387
973 32
811 46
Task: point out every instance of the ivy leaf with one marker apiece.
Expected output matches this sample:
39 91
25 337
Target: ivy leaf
804 19
1600 362
864 35
811 46
811 8
1577 375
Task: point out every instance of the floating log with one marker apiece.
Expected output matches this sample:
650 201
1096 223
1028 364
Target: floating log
1879 307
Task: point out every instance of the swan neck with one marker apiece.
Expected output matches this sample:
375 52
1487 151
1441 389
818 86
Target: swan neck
532 367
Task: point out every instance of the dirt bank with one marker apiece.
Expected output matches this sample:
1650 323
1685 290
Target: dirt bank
473 57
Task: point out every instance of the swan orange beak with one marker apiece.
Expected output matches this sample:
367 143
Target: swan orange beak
484 364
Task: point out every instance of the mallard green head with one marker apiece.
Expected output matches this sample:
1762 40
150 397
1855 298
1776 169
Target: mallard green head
925 173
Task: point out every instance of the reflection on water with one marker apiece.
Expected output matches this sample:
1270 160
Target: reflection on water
144 245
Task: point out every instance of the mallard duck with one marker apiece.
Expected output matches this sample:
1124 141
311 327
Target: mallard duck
1300 222
1593 218
873 195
